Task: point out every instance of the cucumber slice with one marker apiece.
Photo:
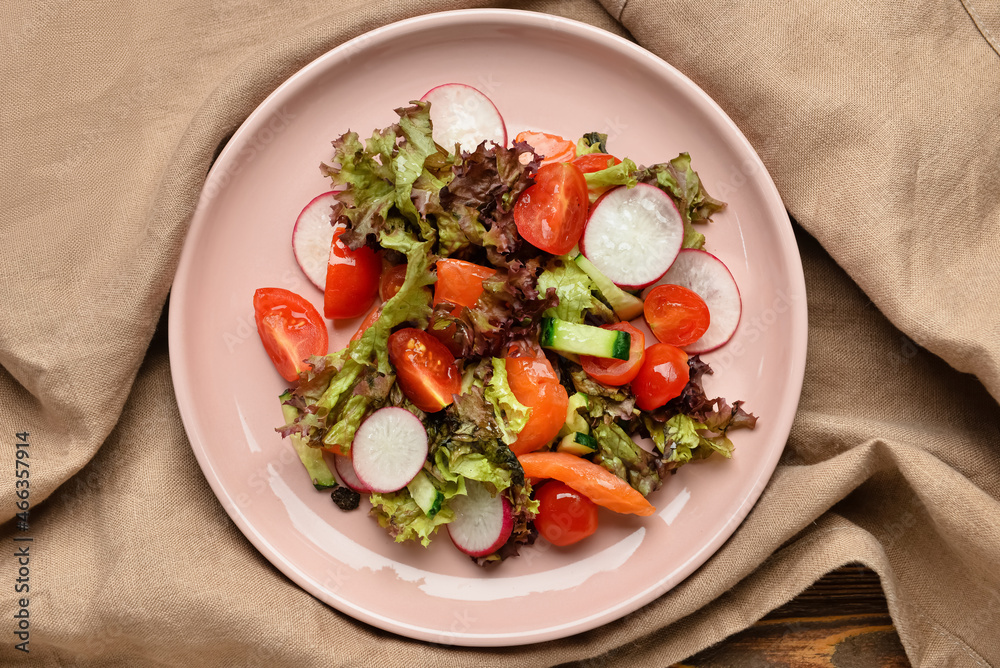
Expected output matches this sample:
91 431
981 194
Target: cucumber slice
577 443
425 494
584 339
575 421
312 458
625 306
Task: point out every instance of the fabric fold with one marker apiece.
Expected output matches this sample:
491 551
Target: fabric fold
881 128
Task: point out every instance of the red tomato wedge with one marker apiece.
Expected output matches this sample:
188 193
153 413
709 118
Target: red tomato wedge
536 385
565 516
552 148
290 328
460 282
595 482
366 323
425 369
617 372
352 279
551 214
595 162
662 377
391 282
676 315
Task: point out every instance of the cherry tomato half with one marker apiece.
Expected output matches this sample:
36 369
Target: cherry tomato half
617 372
662 376
551 214
391 282
290 328
369 320
352 279
535 384
676 315
564 515
460 282
552 148
425 370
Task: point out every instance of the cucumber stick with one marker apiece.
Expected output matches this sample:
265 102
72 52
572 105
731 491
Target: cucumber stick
584 339
577 443
312 458
626 306
425 494
575 421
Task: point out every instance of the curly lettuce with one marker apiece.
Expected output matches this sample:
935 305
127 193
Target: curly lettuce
575 291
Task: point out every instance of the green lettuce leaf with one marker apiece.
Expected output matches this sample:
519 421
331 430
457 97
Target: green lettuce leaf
575 291
459 461
622 174
378 177
618 453
511 414
681 439
411 304
592 142
400 515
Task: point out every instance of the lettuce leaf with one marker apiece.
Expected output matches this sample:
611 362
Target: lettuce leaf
618 453
575 291
378 177
411 304
592 142
622 174
511 414
400 515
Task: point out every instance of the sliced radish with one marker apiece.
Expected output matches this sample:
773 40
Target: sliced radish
312 237
633 235
347 475
706 275
482 523
389 449
462 115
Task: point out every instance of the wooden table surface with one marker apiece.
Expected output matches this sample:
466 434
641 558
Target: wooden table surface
842 620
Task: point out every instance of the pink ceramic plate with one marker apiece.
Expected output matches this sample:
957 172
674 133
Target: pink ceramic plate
239 240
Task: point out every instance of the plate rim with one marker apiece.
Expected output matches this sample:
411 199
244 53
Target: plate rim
181 380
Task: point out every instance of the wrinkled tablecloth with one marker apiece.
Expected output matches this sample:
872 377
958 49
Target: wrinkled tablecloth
880 124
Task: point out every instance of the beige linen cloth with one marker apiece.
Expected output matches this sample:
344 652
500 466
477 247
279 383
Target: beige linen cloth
880 123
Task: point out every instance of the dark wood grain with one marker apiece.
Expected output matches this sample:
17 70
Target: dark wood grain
842 620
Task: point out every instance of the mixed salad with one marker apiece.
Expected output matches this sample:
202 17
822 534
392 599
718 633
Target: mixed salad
503 383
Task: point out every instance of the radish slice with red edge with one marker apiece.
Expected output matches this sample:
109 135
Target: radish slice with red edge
482 523
708 277
462 115
312 237
389 449
347 475
633 235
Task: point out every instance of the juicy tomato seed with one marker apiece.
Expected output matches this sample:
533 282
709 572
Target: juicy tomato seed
290 329
425 369
391 282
